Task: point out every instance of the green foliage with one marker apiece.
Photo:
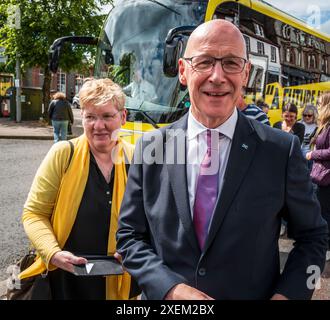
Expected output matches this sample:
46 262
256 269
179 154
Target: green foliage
121 73
43 21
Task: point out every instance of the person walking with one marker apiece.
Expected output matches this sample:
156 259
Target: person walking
60 113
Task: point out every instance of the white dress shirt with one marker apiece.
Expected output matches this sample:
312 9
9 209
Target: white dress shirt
196 148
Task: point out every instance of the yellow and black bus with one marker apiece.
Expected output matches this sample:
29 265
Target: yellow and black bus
6 81
141 41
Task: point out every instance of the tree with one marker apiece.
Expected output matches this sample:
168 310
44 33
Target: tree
43 21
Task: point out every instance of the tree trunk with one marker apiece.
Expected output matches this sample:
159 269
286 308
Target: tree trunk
46 91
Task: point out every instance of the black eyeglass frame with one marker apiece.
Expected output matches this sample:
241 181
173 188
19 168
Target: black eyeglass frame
189 60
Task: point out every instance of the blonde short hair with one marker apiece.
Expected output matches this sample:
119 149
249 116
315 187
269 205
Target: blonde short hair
97 92
59 96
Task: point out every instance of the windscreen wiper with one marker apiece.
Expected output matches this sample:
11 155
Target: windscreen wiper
164 6
147 117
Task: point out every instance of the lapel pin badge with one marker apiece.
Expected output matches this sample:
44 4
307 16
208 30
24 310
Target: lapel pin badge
245 146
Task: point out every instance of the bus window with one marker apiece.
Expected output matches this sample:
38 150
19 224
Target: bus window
137 51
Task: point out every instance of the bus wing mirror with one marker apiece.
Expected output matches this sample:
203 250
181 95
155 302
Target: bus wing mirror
172 53
55 48
175 43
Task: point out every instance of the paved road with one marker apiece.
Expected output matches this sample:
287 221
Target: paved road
19 160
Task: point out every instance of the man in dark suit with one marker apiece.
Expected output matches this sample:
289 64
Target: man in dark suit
185 233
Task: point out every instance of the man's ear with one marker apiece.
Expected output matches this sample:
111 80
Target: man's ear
182 77
246 73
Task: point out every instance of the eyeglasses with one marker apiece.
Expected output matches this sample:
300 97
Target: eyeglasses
92 118
307 115
204 63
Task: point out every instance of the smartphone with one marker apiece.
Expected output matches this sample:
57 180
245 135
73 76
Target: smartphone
99 266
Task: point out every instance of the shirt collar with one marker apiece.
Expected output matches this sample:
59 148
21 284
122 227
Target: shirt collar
227 128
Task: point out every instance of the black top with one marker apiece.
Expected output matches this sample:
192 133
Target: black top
89 236
298 129
60 110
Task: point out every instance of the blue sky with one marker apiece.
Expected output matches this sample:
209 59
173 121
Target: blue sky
315 12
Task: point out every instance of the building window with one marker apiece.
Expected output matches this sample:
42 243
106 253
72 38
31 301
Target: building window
287 54
324 65
247 44
260 48
286 31
299 59
312 61
292 57
259 30
301 37
272 54
61 82
326 68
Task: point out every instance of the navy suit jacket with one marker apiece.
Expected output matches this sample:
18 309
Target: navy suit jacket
266 179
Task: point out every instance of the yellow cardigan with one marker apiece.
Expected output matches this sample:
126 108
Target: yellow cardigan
53 202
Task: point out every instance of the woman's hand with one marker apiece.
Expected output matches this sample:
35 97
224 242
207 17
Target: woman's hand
309 155
66 260
118 257
286 127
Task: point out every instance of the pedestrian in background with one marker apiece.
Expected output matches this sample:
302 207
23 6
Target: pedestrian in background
309 120
60 113
321 160
252 111
262 105
289 123
73 206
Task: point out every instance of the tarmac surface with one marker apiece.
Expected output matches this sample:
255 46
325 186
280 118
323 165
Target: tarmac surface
39 130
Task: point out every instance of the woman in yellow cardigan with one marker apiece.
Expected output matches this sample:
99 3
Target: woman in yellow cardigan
73 205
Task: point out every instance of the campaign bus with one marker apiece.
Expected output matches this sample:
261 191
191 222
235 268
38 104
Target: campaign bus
141 41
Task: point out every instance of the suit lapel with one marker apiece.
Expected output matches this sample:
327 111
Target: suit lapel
178 178
241 155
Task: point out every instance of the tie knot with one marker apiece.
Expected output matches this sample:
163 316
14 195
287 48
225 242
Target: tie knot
212 139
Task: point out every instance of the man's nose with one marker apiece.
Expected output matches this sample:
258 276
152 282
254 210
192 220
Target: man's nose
217 73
